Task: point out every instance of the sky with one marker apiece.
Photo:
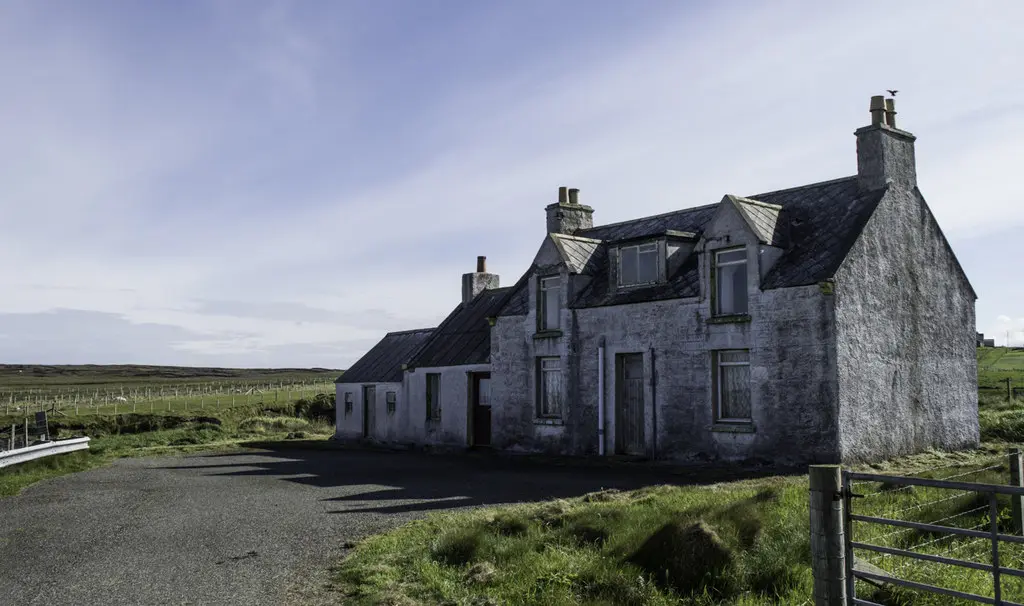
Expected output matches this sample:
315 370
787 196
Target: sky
269 183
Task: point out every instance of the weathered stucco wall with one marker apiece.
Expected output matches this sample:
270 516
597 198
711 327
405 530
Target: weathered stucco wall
385 427
907 365
453 429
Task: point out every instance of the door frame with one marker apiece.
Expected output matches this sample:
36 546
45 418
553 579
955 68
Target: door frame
619 447
474 392
368 404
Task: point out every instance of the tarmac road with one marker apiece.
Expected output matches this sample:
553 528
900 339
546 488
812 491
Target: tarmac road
254 527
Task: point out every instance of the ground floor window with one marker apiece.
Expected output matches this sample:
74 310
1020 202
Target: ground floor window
348 402
392 397
433 396
732 386
549 388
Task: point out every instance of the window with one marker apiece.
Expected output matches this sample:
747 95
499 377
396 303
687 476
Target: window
549 388
549 291
638 264
732 386
433 396
391 398
348 402
730 277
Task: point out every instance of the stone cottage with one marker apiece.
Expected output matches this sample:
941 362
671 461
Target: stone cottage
758 327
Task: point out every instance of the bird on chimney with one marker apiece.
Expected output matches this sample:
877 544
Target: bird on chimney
892 92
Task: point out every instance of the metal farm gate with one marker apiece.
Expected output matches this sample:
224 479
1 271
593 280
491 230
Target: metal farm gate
941 540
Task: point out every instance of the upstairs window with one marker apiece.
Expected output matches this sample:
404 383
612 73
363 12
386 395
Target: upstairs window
549 304
730 282
638 264
433 396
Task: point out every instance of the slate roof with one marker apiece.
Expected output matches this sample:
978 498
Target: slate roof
579 254
383 363
816 227
464 337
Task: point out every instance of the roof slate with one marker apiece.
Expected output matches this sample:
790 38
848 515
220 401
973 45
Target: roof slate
464 337
578 254
383 363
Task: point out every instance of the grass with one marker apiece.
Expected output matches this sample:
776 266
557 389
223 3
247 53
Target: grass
145 434
996 364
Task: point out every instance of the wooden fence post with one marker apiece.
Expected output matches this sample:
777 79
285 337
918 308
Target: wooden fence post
1017 479
26 431
828 556
1009 389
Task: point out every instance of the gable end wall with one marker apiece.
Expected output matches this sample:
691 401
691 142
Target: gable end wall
907 367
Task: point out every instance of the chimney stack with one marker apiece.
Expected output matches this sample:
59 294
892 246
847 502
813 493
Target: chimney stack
567 216
885 154
478 281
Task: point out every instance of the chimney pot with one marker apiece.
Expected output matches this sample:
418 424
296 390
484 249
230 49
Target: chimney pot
481 265
563 195
877 110
574 196
890 112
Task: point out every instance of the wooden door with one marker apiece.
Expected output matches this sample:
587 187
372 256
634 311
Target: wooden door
369 410
629 404
481 409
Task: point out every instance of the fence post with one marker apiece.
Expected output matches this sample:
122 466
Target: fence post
26 432
1009 389
1017 479
828 557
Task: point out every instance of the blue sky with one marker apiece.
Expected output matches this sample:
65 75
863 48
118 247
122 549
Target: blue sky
279 183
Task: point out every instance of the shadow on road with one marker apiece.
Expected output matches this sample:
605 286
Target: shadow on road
397 482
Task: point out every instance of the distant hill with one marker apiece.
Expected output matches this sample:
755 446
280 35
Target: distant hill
27 375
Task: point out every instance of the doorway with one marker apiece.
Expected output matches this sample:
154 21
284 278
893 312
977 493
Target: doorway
629 404
481 409
369 409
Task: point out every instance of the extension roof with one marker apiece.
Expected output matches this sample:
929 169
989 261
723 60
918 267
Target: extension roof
464 337
383 363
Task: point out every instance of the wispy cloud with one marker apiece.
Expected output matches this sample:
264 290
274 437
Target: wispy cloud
290 181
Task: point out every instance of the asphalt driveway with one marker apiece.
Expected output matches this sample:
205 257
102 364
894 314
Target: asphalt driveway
256 527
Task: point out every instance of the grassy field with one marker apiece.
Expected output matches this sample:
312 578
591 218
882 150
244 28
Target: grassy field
734 543
79 390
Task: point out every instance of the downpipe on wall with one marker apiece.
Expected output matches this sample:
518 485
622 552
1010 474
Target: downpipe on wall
600 397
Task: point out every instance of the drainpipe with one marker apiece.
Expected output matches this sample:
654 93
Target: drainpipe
654 407
600 397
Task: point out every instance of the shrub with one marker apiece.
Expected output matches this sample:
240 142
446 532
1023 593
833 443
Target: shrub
265 424
689 559
456 548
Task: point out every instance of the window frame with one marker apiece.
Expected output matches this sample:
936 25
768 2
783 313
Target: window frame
542 392
654 248
716 281
391 398
542 300
433 409
719 367
348 403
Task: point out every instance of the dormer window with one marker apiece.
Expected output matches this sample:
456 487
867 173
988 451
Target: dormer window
730 282
638 264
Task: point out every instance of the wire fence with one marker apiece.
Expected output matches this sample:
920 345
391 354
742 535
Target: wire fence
163 398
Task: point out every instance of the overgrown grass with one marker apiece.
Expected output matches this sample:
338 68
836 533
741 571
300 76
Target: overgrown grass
143 434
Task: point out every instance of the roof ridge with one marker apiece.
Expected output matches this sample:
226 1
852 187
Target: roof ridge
664 214
406 332
787 189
